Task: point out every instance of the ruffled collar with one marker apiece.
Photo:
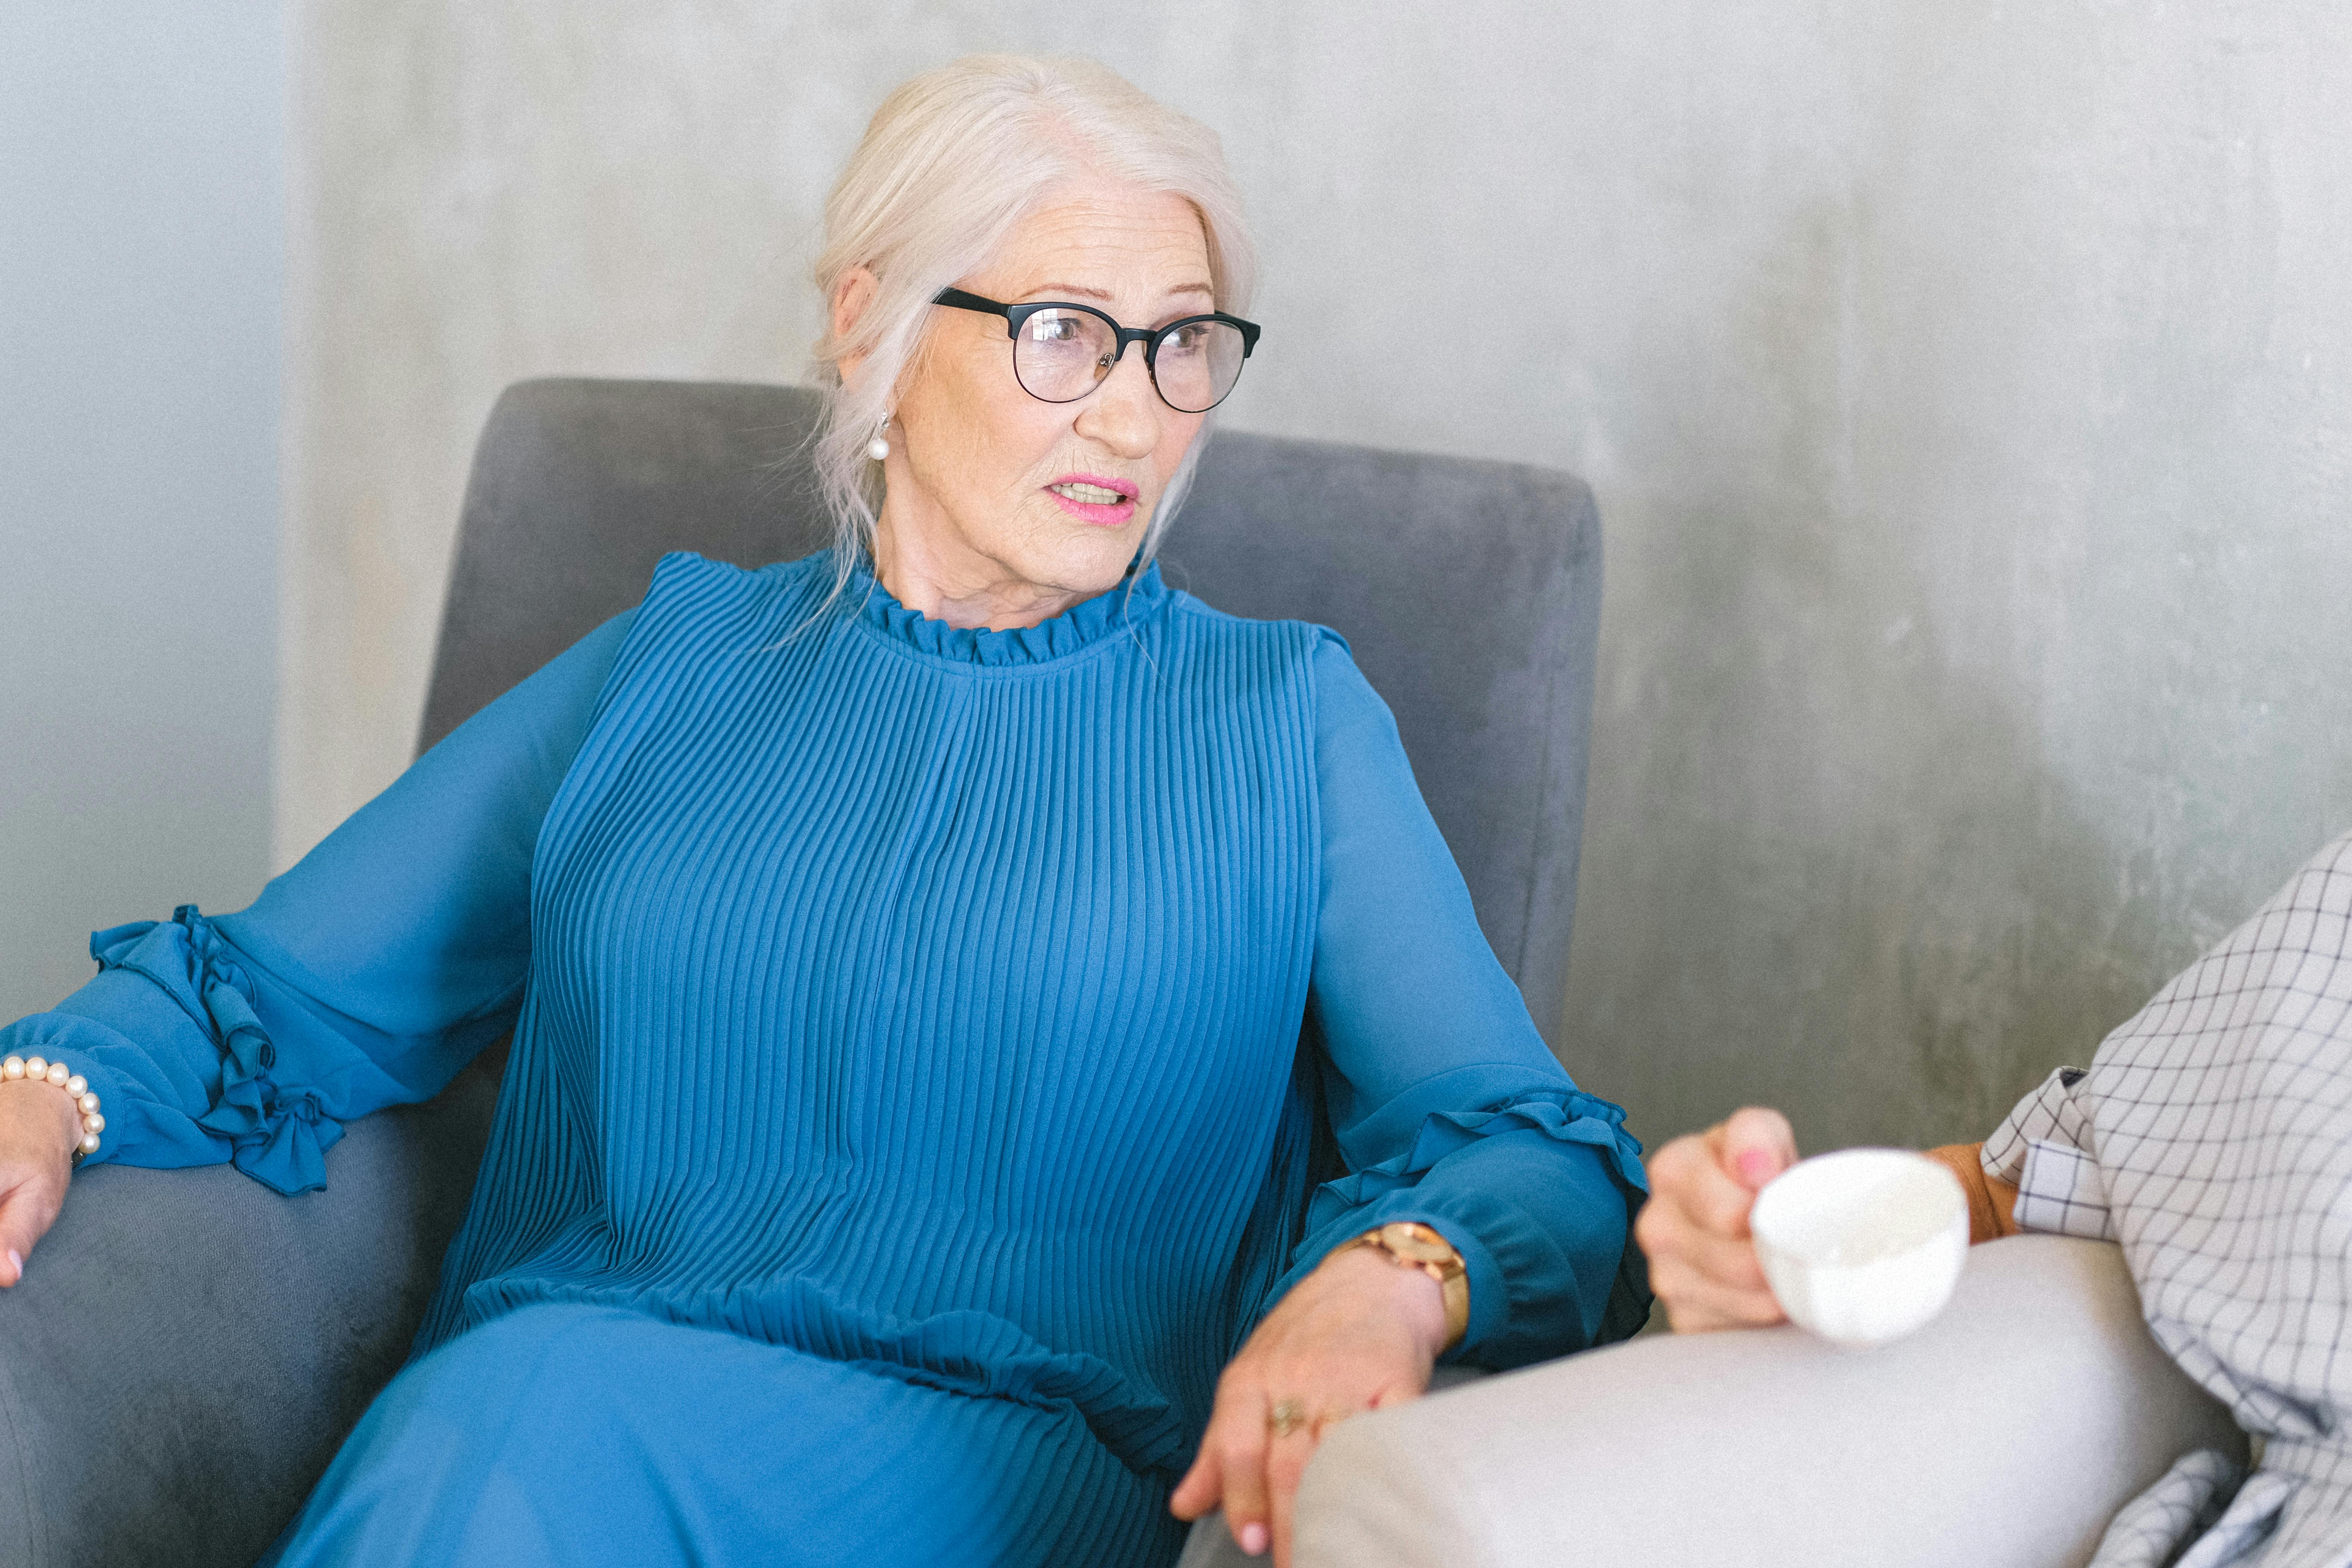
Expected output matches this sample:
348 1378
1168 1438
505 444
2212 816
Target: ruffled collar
1128 603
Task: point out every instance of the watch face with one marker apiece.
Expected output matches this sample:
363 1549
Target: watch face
1411 1242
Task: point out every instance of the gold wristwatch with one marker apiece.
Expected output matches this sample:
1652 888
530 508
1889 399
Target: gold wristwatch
1413 1246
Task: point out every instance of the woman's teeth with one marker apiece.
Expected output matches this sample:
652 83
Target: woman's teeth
1087 495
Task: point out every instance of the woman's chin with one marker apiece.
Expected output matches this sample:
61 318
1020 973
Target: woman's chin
1089 558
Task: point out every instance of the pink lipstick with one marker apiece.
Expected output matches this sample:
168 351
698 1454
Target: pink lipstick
1092 498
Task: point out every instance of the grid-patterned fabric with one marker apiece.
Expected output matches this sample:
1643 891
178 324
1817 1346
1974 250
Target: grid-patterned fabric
2212 1137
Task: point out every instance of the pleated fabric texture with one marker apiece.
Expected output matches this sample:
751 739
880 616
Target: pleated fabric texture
911 996
572 1436
923 1043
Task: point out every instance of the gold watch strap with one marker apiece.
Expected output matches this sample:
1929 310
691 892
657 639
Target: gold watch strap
1411 1245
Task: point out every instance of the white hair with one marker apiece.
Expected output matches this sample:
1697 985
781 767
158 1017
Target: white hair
950 163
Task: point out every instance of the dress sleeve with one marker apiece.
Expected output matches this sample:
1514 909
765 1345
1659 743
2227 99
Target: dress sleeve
1448 1107
365 976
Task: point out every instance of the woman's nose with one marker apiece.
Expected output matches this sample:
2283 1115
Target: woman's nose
1124 412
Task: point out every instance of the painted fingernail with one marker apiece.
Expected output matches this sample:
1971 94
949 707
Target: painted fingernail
15 1266
1253 1535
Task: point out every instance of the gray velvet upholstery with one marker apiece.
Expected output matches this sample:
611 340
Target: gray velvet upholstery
188 1348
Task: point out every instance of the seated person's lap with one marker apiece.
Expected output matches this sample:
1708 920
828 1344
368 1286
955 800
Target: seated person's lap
581 1435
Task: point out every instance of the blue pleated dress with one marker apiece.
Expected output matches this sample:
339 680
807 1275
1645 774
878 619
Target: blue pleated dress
920 1040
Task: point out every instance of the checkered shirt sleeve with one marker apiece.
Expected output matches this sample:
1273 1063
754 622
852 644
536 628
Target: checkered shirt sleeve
2211 1138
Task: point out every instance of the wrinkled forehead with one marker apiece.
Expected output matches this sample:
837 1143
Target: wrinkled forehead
1104 242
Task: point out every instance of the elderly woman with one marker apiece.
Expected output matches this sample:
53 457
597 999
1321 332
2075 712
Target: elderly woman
930 966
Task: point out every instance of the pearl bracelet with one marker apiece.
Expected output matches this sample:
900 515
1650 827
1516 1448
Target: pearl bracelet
73 1084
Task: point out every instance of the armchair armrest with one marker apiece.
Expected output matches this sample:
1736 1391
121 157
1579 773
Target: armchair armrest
188 1348
2007 1432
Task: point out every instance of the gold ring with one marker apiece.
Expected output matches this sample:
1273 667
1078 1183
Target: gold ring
1287 1417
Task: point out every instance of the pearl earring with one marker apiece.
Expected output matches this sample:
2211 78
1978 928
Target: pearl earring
879 448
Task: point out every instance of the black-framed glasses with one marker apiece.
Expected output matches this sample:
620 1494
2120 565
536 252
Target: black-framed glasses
1061 350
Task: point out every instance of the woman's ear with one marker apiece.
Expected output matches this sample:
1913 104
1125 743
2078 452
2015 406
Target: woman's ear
851 296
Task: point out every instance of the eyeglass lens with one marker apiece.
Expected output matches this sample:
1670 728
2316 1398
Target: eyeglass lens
1061 355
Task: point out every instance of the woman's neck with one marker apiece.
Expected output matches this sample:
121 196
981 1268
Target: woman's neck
961 586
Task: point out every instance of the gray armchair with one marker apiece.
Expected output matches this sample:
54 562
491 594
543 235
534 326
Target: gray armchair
189 1348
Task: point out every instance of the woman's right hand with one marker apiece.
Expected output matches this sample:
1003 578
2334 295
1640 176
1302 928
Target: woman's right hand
39 1128
1693 1229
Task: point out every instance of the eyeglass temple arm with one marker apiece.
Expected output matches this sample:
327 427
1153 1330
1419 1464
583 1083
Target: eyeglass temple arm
956 299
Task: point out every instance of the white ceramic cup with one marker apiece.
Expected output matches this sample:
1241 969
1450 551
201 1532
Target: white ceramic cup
1862 1246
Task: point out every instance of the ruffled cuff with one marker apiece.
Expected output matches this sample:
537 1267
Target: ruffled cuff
1569 1116
1513 1233
278 1135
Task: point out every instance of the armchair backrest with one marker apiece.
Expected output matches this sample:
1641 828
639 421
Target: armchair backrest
1469 591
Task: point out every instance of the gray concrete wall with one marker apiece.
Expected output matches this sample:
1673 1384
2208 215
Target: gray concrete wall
1967 387
142 228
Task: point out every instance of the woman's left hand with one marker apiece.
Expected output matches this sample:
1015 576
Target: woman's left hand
1356 1334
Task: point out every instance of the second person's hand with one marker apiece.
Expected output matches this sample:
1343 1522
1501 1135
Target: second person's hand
1693 1229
